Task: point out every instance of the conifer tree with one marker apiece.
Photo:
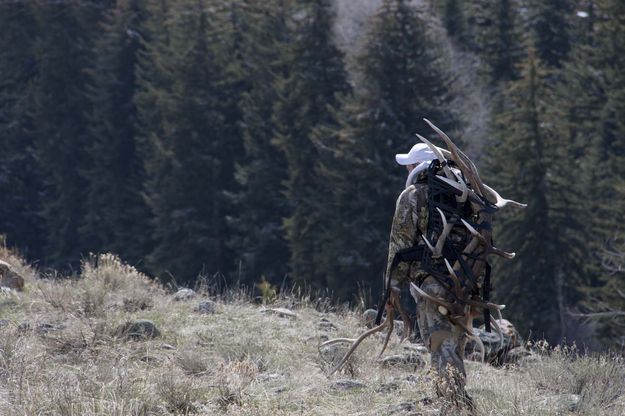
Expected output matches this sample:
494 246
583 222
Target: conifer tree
116 218
403 80
550 22
497 37
531 159
20 178
598 100
260 205
60 122
188 156
455 21
316 76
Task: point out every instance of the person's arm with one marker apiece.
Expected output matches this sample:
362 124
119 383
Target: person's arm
403 233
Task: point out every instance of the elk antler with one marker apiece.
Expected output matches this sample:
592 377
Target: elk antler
388 323
487 245
466 166
502 202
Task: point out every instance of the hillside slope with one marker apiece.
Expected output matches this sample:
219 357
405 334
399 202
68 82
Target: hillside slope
67 347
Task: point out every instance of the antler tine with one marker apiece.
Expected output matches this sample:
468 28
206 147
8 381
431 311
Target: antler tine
355 344
466 166
427 243
441 238
416 291
391 323
489 247
464 186
484 305
502 202
480 344
454 277
498 329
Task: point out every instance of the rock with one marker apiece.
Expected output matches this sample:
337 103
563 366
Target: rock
137 330
45 327
184 294
347 385
281 312
493 346
326 325
10 278
518 354
23 327
508 329
496 351
206 307
3 323
409 359
417 347
561 404
387 387
168 347
368 317
400 408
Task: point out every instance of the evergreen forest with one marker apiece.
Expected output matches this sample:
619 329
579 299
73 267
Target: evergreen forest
253 142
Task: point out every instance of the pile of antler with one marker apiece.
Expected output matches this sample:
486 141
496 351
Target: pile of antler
484 202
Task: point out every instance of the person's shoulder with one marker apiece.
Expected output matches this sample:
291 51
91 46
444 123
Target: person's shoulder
408 196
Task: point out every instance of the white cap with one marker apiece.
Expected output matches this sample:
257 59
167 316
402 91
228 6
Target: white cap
420 152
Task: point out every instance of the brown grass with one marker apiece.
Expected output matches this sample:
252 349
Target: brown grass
58 356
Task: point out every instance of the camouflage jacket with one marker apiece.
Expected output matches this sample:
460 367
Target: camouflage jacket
409 221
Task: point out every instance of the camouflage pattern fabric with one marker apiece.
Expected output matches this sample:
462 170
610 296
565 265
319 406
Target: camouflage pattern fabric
409 221
446 343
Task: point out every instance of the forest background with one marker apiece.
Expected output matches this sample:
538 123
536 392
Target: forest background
253 141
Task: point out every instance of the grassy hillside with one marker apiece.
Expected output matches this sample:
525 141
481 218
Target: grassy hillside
66 348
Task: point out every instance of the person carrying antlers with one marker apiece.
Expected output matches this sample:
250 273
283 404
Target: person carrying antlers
440 239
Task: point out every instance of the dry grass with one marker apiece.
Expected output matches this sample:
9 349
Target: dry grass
58 356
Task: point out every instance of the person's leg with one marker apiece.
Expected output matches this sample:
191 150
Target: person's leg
445 343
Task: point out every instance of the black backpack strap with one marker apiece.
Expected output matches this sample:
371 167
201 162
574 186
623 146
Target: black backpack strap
486 297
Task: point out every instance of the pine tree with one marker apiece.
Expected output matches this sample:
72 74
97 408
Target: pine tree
116 218
60 122
601 127
187 166
20 179
497 37
403 79
454 21
316 76
259 203
532 159
550 22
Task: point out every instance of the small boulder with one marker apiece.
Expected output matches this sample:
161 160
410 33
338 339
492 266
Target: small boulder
497 349
10 278
184 294
409 359
400 408
562 403
347 385
137 330
326 325
387 387
207 307
281 312
368 317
